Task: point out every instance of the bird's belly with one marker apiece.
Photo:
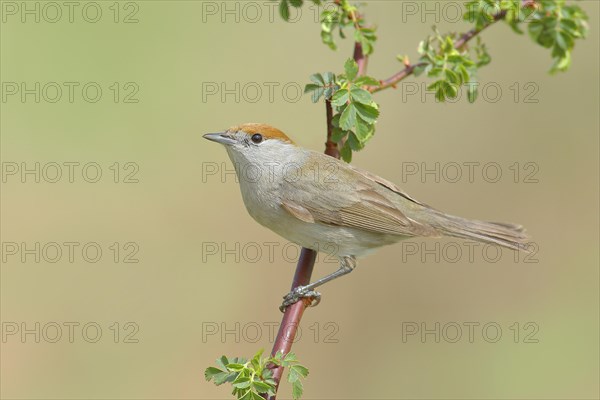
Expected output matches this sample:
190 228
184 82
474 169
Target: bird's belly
330 239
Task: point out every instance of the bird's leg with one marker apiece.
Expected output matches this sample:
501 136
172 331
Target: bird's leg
347 265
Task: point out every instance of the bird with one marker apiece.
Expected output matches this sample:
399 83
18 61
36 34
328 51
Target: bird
318 202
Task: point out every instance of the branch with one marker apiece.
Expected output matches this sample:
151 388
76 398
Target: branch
293 314
306 262
331 147
410 68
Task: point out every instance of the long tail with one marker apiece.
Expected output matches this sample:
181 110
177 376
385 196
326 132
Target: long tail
507 235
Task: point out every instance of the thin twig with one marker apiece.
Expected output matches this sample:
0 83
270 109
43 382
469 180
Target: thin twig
410 69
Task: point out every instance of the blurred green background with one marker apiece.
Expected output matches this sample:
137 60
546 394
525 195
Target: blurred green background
193 295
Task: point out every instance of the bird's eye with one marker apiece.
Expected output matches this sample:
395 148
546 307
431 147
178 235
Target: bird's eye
257 138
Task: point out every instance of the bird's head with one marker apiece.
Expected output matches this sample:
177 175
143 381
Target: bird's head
254 142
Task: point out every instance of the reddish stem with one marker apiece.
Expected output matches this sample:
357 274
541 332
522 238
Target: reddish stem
293 314
461 42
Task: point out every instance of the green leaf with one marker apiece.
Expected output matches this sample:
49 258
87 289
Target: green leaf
310 87
297 388
338 134
235 366
472 92
366 80
296 3
351 69
340 98
346 153
360 95
367 113
261 387
464 74
329 78
290 358
256 396
348 117
241 383
318 79
222 362
317 91
284 10
210 372
244 395
564 41
451 76
562 63
440 94
364 131
354 143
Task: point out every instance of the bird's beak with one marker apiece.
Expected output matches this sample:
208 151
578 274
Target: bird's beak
223 138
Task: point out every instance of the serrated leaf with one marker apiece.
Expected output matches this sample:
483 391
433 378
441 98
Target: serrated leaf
346 153
293 376
366 80
223 377
235 366
297 388
316 94
242 383
367 113
256 396
340 98
338 134
329 78
290 357
301 369
244 395
351 69
355 145
318 79
222 363
309 87
364 131
261 387
256 361
348 117
360 95
210 372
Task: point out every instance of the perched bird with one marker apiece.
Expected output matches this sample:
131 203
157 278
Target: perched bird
319 202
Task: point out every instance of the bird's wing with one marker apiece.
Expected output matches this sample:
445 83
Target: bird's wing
363 204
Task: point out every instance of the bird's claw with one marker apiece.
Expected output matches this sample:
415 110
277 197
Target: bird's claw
300 292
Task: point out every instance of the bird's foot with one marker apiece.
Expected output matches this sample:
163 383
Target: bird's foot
300 292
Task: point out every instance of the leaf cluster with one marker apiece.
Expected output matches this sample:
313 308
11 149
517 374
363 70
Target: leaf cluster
284 7
449 66
355 110
252 378
556 26
551 23
342 16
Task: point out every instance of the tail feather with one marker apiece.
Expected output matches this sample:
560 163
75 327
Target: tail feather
508 235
